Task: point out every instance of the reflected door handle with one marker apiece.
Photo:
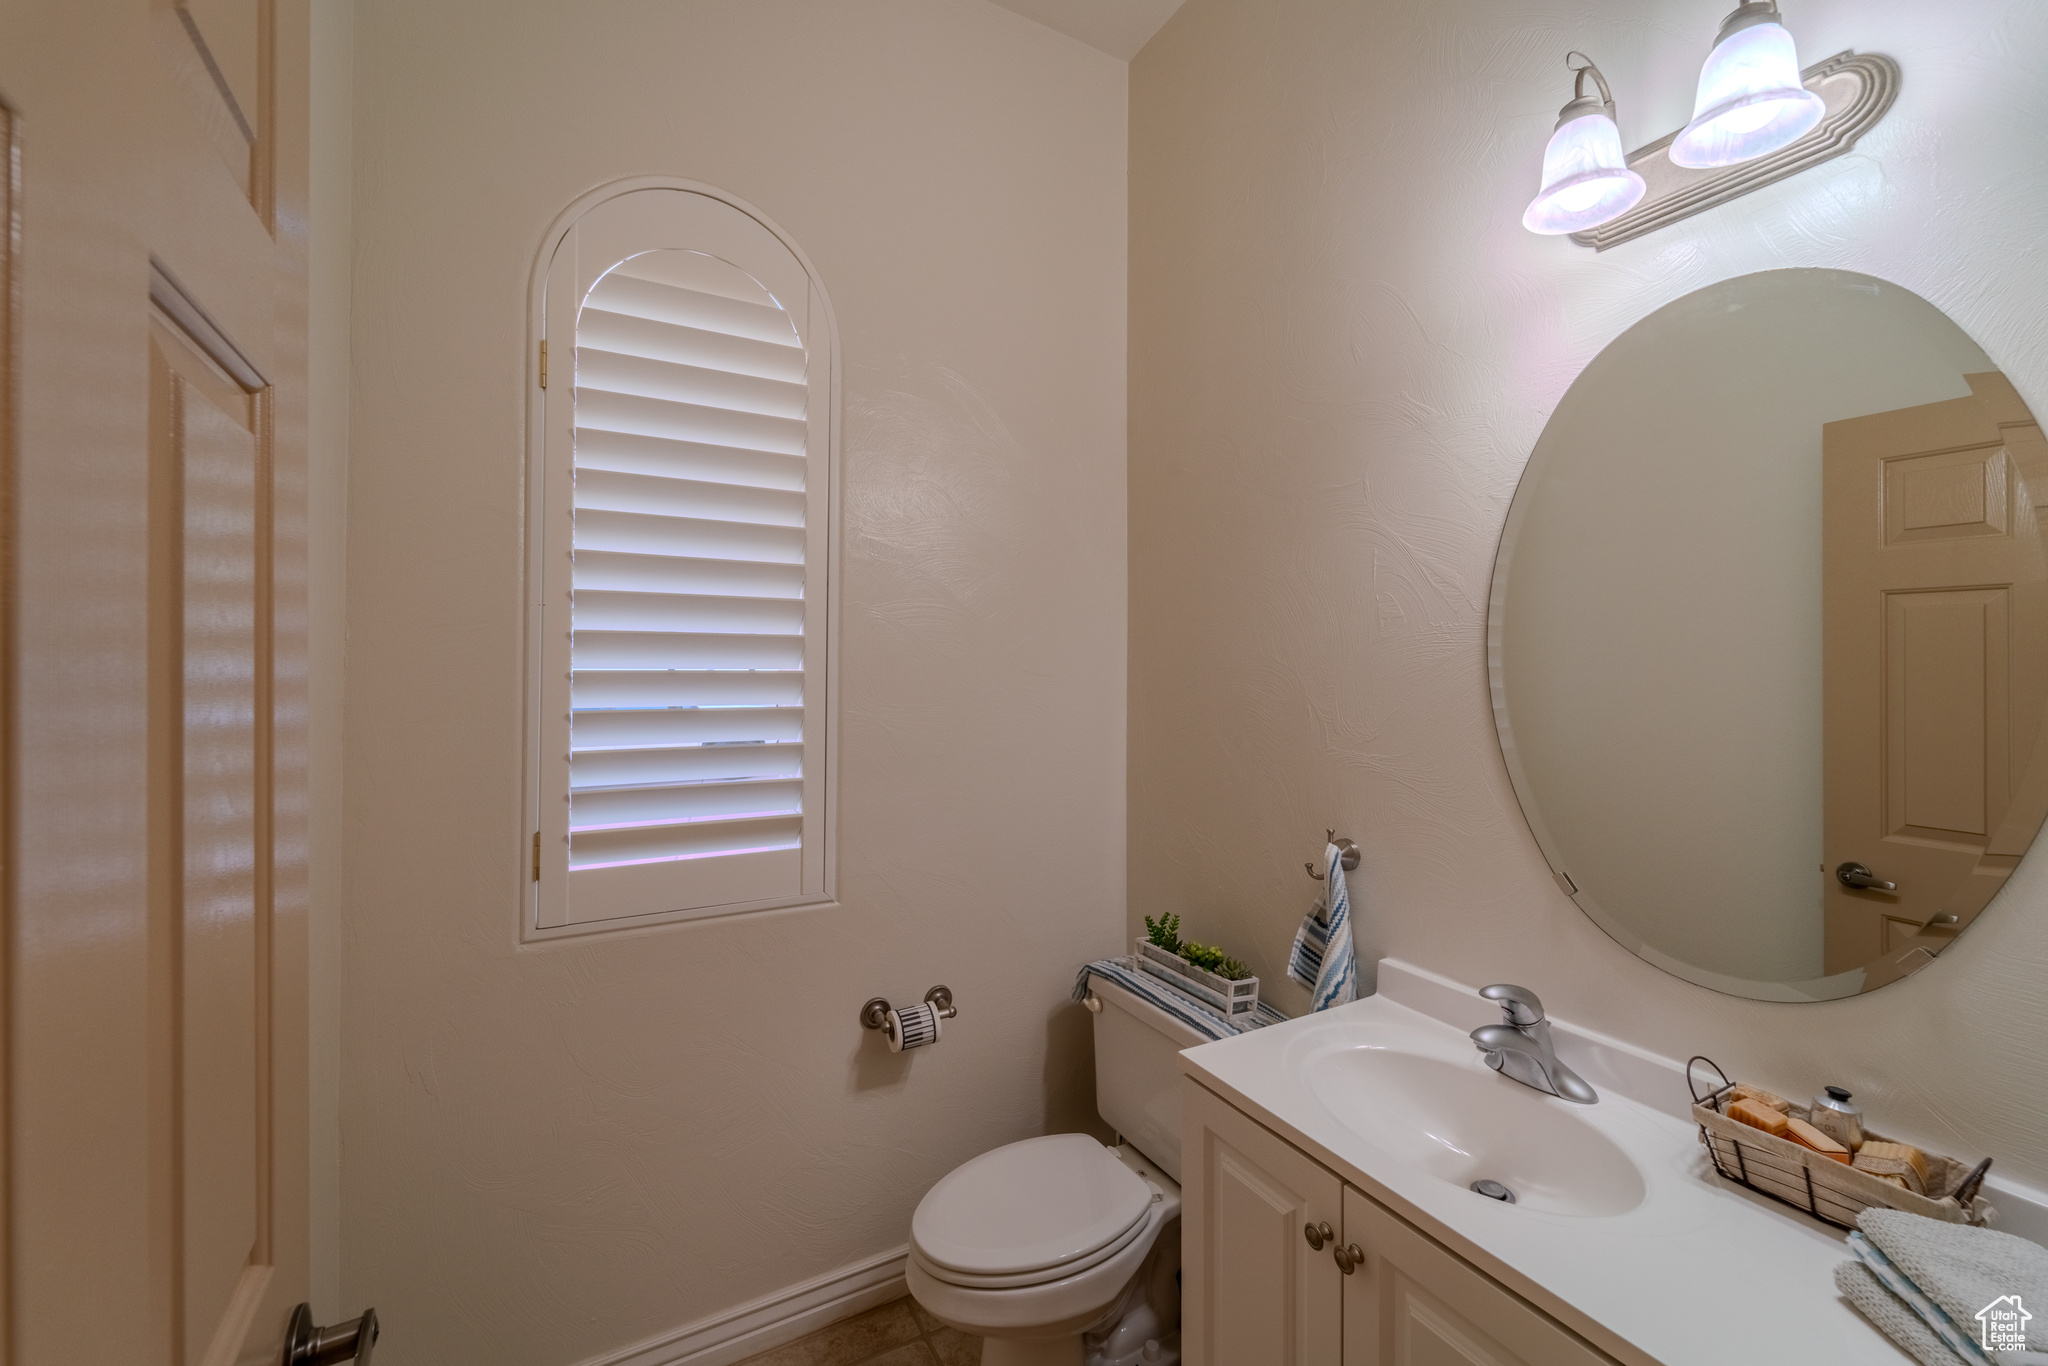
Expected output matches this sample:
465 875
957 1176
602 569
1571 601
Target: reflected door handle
308 1345
1856 875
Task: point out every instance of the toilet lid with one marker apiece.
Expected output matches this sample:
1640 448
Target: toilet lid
1034 1204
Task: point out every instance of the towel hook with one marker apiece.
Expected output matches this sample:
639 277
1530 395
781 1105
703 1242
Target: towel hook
1348 856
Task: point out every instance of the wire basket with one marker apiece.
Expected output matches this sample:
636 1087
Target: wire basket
1826 1189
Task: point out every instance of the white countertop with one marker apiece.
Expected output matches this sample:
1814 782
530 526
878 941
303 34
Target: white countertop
1700 1273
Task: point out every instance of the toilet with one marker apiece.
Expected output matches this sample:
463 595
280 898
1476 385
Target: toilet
1058 1251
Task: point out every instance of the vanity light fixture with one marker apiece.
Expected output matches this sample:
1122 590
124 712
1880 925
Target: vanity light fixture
1586 179
1751 98
1757 119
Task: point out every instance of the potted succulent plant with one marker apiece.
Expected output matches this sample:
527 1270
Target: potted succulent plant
1202 972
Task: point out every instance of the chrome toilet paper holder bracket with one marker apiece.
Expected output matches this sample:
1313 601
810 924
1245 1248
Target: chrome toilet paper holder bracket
875 1014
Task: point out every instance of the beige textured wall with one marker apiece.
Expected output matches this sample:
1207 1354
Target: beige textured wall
551 1152
1344 347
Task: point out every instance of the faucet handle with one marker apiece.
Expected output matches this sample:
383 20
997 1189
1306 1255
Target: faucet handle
1520 1003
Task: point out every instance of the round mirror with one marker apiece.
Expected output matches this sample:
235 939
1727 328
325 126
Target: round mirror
1768 640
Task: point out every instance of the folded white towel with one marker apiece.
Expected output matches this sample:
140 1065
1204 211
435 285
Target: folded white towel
1891 1315
1967 1271
1323 960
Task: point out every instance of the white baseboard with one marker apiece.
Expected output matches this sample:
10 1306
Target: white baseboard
772 1320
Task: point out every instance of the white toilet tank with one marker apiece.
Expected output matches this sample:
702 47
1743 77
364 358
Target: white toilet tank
1137 1074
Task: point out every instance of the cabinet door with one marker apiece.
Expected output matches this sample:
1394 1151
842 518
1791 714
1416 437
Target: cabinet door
1411 1303
1256 1292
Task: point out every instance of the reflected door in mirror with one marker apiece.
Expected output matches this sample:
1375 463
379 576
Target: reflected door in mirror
1935 609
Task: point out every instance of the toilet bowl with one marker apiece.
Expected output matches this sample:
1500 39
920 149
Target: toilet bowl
1038 1244
1034 1244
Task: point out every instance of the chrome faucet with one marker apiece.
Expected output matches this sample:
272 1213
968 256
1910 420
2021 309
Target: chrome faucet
1521 1048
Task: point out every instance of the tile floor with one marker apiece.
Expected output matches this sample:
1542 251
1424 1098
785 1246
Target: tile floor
899 1333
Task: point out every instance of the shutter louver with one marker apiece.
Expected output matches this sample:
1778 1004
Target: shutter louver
687 612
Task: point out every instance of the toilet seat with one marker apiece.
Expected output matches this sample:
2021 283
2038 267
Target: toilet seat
1030 1212
1072 1303
1040 1276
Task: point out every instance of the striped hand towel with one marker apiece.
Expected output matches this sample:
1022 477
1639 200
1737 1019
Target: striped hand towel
1323 960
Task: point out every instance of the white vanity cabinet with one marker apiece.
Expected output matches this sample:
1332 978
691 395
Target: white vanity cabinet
1410 1302
1256 1292
1253 1290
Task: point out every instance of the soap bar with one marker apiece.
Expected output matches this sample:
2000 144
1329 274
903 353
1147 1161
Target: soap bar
1888 1160
1744 1091
1757 1115
1804 1134
1900 1152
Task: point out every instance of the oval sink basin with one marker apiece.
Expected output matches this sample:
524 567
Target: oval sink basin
1464 1123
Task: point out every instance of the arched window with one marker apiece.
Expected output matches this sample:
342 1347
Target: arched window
681 547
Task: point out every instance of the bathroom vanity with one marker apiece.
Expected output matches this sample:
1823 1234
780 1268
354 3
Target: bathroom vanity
1338 1169
1327 1166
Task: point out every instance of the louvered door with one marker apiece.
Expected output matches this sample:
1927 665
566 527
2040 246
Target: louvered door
682 621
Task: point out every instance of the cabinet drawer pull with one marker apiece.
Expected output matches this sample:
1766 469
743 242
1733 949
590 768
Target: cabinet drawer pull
1317 1235
1349 1258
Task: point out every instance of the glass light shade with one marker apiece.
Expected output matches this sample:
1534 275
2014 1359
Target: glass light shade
1751 100
1586 180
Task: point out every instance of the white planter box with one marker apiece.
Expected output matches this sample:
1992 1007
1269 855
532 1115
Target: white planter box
1225 997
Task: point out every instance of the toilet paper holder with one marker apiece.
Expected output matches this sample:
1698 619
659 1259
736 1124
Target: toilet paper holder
875 1014
917 1026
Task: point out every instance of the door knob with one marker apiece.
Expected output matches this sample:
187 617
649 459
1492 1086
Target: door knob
1349 1257
1317 1234
308 1345
1856 875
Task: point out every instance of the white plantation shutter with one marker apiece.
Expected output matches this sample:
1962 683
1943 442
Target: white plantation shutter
683 607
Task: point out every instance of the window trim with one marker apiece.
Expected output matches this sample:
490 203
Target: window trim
826 333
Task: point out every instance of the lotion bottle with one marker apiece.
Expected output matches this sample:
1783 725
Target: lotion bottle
1835 1115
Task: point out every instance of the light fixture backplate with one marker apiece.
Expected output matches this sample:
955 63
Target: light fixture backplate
1858 90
